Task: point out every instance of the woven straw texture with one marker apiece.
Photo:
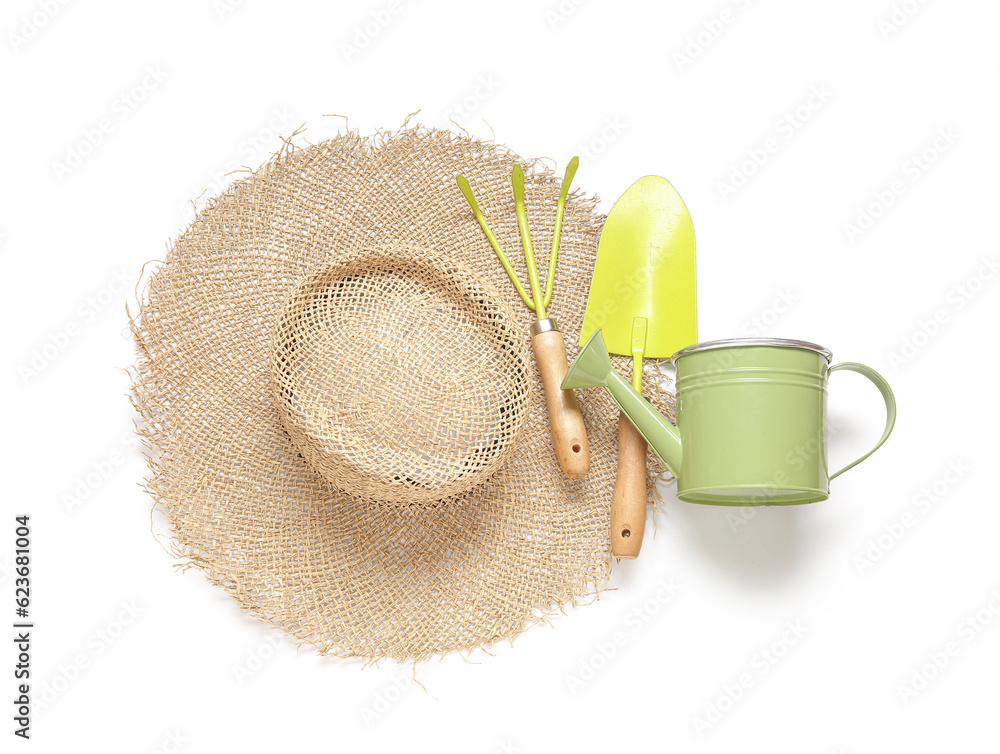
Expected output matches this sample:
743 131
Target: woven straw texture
288 526
399 376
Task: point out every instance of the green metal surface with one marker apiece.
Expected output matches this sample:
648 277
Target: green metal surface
537 301
557 230
750 420
643 293
466 190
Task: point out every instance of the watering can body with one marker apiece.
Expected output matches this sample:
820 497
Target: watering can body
751 424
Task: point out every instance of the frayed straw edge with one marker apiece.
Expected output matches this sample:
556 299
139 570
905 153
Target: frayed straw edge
143 399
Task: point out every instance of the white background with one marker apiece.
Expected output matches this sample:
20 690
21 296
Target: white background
692 91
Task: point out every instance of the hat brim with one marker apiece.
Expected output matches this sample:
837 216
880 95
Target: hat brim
245 507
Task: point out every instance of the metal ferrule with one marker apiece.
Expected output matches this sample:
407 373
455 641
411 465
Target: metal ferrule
548 324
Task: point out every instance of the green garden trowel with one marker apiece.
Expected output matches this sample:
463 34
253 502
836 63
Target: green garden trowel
642 298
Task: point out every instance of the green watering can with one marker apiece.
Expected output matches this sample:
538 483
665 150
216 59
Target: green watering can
750 418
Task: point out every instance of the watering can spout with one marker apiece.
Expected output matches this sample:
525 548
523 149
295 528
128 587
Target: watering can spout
592 368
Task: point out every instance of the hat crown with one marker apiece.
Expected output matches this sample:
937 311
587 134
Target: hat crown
398 377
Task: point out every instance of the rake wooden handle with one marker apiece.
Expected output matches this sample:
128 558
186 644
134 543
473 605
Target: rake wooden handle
628 506
569 436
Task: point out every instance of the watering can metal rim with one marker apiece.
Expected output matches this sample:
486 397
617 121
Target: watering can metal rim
731 342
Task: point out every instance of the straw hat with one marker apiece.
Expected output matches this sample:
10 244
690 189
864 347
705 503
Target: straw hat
344 426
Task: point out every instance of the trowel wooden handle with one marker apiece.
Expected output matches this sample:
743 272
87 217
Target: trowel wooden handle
628 506
569 436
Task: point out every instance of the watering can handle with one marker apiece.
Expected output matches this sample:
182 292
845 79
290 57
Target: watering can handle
890 406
